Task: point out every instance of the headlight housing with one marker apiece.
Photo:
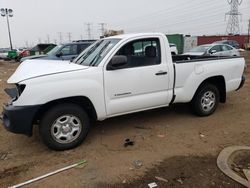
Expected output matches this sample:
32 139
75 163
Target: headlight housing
20 89
15 92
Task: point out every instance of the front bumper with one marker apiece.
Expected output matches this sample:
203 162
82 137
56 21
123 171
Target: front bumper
19 119
243 79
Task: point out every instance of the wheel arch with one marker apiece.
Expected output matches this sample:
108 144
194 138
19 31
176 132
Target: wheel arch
82 101
219 82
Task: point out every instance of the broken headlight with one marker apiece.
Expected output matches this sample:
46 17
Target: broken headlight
20 88
14 93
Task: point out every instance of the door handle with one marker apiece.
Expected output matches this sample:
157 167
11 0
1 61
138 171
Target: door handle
161 73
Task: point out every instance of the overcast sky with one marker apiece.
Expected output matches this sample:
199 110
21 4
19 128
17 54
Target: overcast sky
35 20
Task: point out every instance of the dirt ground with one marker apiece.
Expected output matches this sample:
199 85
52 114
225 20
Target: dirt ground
170 143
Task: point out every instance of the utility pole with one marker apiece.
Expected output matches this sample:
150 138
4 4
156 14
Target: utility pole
102 28
89 30
48 38
233 26
249 31
55 41
69 36
39 40
27 44
8 13
60 37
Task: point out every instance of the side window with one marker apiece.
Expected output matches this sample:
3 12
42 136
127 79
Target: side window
226 48
217 48
69 50
83 47
143 52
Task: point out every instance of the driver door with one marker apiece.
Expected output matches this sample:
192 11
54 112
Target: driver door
142 83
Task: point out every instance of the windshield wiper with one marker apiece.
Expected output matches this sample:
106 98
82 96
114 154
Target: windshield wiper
95 59
85 56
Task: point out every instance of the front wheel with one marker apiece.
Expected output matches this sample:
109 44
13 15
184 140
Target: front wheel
206 100
64 127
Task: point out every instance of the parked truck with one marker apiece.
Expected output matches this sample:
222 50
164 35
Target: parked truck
110 78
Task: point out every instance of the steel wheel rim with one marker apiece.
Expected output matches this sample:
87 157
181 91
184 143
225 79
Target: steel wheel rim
208 101
66 129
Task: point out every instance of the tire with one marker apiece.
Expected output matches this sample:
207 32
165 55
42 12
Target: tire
64 127
205 100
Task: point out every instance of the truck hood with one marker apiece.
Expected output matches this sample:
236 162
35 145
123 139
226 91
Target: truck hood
36 68
33 57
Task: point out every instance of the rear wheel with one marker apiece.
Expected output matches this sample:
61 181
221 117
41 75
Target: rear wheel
206 100
64 127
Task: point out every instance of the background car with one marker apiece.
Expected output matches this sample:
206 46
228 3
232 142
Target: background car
232 43
214 50
62 52
173 49
4 53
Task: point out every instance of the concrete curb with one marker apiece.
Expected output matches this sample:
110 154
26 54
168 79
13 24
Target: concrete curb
222 163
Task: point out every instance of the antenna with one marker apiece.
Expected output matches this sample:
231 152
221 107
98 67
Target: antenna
233 26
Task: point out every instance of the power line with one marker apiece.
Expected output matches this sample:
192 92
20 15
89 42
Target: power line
89 30
69 36
48 39
103 28
233 26
60 37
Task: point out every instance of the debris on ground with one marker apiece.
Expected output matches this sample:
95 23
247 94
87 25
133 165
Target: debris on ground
152 185
49 174
180 180
247 174
137 164
124 181
161 136
128 142
143 127
4 156
161 179
202 135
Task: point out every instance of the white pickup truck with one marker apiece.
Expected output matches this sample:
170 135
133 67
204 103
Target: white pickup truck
114 76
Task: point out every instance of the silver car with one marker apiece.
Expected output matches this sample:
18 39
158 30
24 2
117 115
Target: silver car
214 50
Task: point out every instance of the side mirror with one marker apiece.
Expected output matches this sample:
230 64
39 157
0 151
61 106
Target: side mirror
59 54
213 51
117 62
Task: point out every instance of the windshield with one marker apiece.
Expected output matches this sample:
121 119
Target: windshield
54 50
94 54
202 48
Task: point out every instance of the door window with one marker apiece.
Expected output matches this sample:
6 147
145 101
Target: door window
216 48
69 50
226 48
83 47
143 52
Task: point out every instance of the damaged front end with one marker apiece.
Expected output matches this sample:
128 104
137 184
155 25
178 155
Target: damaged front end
15 92
18 119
